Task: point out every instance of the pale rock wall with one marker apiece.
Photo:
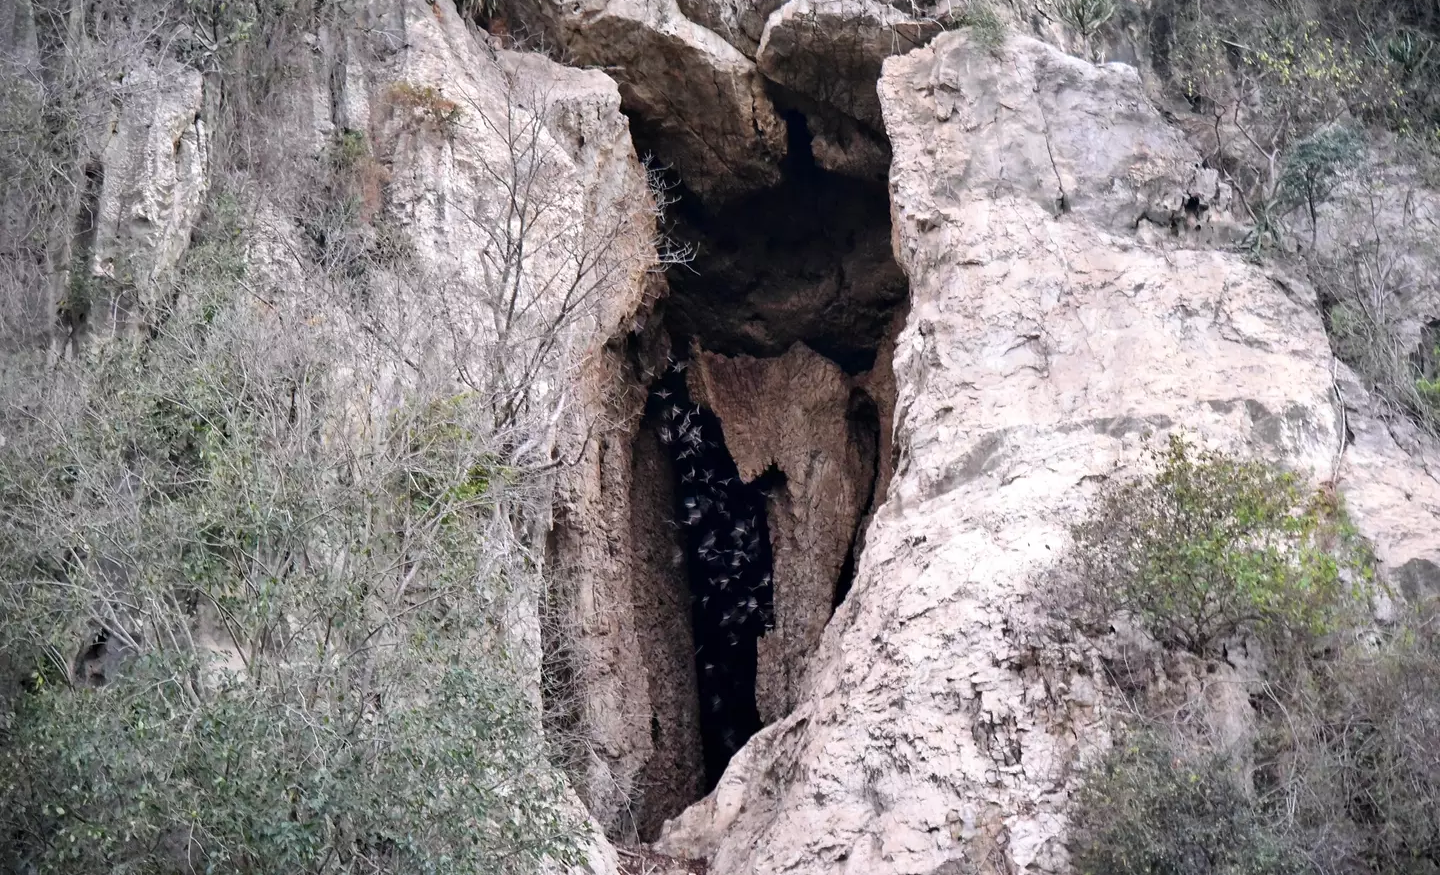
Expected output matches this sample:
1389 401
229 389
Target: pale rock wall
1049 331
126 216
439 185
154 172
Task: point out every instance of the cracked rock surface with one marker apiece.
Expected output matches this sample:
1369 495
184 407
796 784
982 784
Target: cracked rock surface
932 736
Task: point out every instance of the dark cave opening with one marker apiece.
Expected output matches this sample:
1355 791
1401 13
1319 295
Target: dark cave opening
729 566
807 261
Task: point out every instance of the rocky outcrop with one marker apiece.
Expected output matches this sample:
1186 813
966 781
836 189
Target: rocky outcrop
456 133
151 178
740 22
789 415
1052 326
830 51
94 213
699 77
681 84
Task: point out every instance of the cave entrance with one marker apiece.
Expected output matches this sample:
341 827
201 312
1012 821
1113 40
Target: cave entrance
761 454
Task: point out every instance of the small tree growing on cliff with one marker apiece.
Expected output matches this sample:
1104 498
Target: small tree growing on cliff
1208 546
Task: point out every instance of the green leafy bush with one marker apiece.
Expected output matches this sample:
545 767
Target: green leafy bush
147 774
987 29
1085 16
1209 546
1146 809
1314 166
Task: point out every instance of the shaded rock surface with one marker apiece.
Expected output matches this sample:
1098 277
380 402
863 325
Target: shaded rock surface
681 84
831 51
807 261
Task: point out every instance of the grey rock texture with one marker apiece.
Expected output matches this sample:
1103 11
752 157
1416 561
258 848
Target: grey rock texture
682 83
153 177
1049 330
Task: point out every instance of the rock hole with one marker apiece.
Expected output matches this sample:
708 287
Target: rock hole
729 566
758 459
800 146
806 261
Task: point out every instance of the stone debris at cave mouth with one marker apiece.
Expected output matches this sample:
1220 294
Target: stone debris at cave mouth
728 562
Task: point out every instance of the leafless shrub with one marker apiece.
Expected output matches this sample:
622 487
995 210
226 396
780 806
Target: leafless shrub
305 517
1374 304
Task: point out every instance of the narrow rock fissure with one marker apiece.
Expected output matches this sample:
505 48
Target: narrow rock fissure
729 566
863 419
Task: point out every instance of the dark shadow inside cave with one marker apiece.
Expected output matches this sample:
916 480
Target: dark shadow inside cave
862 417
808 260
728 561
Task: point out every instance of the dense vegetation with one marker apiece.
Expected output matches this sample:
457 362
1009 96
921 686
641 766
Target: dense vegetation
1339 774
270 562
291 605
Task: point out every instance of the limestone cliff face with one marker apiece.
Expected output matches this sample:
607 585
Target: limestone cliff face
1048 331
1069 291
379 76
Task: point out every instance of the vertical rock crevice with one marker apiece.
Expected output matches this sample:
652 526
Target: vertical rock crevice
765 437
771 354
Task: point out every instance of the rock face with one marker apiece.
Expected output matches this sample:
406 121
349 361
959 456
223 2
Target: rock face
140 153
152 178
1059 243
830 51
682 84
792 414
1052 325
447 119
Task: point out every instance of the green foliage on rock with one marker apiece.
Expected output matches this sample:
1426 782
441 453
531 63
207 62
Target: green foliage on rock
1209 546
271 595
1085 16
1290 93
1147 809
1341 776
1330 768
146 774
